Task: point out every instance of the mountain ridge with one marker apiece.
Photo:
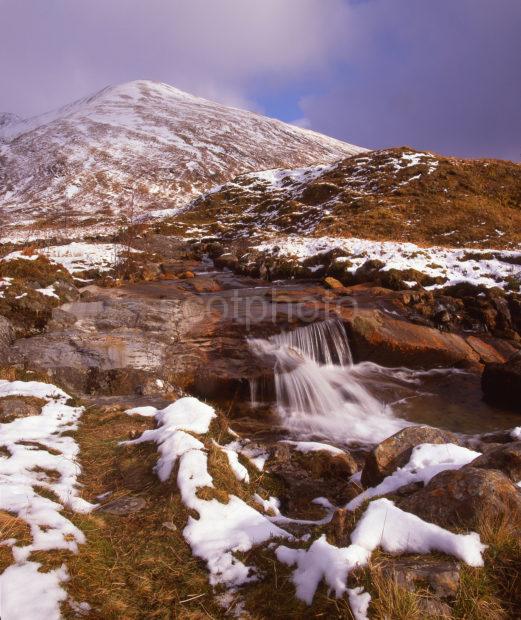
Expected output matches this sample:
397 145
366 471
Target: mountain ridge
141 142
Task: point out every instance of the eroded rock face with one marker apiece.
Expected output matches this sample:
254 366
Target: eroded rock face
505 458
6 332
501 383
396 451
466 497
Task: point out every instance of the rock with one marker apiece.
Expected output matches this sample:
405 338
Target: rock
505 458
14 407
395 451
124 506
206 285
333 283
368 272
487 352
7 333
441 576
501 383
228 261
388 341
215 249
465 498
313 474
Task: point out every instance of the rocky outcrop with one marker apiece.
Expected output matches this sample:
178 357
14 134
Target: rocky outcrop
501 383
465 498
6 333
396 451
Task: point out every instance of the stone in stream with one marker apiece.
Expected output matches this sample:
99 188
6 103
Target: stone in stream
466 498
501 383
124 506
395 451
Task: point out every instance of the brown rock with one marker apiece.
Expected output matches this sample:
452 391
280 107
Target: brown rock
486 350
396 451
205 285
389 341
465 497
505 458
333 283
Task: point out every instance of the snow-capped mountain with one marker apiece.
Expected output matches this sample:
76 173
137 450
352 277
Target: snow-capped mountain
134 149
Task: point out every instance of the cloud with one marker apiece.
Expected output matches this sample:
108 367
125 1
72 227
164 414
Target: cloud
441 75
55 51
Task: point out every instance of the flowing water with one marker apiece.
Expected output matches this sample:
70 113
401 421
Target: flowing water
319 391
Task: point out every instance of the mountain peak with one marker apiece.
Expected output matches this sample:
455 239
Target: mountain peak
77 163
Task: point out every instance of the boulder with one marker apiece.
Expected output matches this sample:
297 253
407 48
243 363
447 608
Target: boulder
396 451
465 498
389 341
334 284
227 261
440 575
501 383
14 407
505 458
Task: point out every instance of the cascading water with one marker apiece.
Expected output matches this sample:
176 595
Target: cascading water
319 392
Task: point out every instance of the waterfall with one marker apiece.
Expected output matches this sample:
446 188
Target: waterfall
319 391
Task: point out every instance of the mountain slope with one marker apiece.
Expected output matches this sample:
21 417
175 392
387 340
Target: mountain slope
144 144
389 195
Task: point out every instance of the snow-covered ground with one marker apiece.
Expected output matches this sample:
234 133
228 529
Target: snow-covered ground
78 256
487 267
39 456
223 530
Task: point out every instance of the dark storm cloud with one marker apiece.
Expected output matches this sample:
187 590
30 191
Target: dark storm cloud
438 74
442 75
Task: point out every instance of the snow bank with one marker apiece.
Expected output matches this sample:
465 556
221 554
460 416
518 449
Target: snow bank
487 267
36 445
426 461
221 529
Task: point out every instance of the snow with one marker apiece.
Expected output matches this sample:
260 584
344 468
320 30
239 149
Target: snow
321 561
28 593
241 473
78 256
456 265
38 444
359 603
426 461
313 446
48 292
385 526
221 530
516 433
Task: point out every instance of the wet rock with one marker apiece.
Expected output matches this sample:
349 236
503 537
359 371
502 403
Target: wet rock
466 497
501 383
396 451
505 458
124 506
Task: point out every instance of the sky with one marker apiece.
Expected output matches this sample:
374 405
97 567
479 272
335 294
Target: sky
441 75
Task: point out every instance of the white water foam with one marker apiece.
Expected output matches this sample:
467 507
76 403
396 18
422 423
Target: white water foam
319 391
